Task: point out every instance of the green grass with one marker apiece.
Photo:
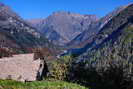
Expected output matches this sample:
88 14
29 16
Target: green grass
10 84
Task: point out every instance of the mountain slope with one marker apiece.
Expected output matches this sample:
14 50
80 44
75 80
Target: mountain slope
83 38
108 62
114 42
16 34
62 27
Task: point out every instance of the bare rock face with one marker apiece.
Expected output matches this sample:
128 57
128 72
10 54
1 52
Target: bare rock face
62 27
22 68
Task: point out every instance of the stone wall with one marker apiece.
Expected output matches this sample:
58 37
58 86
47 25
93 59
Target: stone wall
21 68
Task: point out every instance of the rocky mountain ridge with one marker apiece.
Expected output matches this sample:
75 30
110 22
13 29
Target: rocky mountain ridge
61 27
18 33
70 29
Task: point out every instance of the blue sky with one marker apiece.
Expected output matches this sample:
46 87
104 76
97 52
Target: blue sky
29 9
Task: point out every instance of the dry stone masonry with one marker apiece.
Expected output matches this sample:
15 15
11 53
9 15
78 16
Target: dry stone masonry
21 67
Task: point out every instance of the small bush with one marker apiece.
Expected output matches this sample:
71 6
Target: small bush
60 68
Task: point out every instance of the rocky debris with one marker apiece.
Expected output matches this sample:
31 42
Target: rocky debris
22 67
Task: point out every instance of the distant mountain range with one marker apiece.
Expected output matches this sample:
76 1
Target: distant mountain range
73 31
70 29
62 27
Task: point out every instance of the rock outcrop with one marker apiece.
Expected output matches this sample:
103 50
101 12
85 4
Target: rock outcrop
22 67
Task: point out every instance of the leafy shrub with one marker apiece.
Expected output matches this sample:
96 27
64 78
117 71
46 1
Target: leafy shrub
59 71
60 68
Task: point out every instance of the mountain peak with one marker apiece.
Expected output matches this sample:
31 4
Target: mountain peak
74 14
63 26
